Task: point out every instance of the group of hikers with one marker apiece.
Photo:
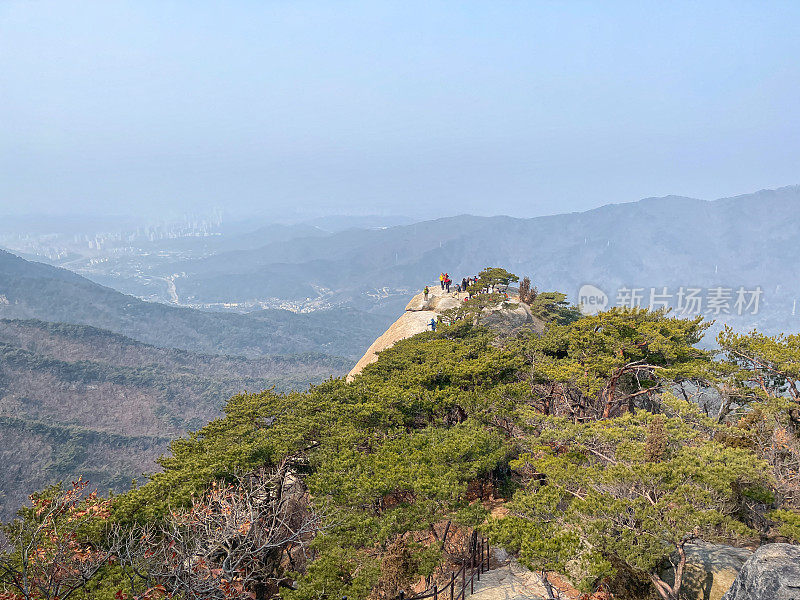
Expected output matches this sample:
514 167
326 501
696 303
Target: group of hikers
446 282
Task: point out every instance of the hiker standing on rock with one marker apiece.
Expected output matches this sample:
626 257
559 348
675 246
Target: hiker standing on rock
464 284
447 282
426 291
441 280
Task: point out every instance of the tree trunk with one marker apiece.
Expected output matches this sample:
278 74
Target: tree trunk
724 407
551 594
444 537
676 588
666 591
662 588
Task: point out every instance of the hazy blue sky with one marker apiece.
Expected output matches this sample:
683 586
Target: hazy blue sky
421 108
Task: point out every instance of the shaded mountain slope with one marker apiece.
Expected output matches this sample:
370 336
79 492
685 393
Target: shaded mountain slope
35 290
76 399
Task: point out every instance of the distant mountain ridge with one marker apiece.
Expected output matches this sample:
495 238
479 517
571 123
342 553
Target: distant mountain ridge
748 240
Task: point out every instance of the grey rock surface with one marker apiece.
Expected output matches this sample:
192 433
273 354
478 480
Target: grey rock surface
710 570
771 573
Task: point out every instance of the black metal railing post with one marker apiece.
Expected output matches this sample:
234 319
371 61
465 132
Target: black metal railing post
463 579
480 561
472 573
476 564
452 584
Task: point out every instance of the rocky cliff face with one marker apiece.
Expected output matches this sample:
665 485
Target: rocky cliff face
421 309
416 319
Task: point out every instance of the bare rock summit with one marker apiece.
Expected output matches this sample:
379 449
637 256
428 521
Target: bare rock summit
421 309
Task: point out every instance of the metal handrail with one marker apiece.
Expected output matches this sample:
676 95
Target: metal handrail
477 563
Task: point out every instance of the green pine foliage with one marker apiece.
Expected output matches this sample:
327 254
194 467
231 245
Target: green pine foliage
606 468
552 307
387 436
631 490
491 277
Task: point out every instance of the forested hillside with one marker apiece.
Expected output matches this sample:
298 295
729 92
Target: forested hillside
596 450
39 291
80 400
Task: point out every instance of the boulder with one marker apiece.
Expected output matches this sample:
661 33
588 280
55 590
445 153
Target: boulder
438 300
710 570
771 573
417 302
509 317
443 303
414 320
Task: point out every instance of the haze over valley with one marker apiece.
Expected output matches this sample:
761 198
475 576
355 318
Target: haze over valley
399 300
368 266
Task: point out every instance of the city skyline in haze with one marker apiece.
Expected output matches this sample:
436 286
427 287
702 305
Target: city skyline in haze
161 109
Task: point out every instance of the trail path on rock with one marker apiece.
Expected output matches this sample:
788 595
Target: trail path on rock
508 580
511 581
